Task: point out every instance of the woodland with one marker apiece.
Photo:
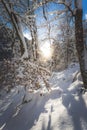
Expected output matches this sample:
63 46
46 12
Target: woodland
43 65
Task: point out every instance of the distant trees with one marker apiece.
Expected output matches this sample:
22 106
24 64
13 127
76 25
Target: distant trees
5 43
66 39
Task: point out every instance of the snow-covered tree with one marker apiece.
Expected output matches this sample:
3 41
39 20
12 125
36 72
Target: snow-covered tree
17 23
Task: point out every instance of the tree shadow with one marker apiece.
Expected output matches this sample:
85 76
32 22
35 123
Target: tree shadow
29 113
76 109
49 121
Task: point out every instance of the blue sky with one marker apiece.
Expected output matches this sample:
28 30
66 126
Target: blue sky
84 3
49 8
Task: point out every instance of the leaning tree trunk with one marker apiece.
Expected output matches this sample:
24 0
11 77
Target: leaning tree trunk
80 44
17 25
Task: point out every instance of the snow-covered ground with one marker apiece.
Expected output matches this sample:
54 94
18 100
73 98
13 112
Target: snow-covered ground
63 108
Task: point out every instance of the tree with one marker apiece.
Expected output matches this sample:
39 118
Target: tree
77 14
30 20
17 24
79 40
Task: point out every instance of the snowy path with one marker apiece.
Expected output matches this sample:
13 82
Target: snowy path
60 109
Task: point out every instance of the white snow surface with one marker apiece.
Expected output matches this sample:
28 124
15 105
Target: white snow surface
63 108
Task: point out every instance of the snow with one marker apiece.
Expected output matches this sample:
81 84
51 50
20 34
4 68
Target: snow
63 108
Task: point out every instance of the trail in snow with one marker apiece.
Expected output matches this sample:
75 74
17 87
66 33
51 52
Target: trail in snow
64 108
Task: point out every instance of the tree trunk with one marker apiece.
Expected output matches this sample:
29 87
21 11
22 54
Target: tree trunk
34 40
33 30
17 25
80 44
25 54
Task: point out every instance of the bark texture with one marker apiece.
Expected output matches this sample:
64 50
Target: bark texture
80 44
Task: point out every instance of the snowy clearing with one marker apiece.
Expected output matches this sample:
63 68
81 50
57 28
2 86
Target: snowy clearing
63 108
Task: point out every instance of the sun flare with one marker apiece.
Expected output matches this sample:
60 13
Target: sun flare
46 51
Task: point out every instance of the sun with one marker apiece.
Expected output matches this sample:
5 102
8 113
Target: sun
46 51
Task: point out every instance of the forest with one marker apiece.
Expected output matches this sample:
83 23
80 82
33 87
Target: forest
43 65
